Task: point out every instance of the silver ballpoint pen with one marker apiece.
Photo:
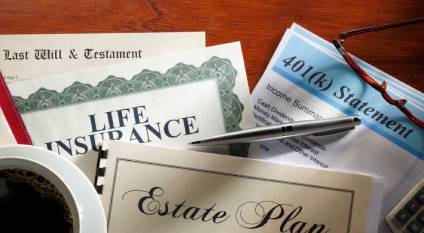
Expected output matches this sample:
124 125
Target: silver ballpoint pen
300 128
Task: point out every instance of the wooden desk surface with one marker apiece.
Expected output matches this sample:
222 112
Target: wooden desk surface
257 24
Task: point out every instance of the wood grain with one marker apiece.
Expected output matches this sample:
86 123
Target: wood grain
257 24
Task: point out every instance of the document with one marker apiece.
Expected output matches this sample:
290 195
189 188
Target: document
166 190
24 57
307 79
32 56
171 100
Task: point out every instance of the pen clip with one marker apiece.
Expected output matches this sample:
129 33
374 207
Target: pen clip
333 131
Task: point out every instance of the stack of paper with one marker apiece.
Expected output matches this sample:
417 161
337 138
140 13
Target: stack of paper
170 99
76 91
26 57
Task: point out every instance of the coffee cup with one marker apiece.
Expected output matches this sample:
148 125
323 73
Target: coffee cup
35 196
43 192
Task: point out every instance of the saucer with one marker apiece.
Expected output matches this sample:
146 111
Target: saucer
92 217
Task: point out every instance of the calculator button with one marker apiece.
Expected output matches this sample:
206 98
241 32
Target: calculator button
403 216
420 196
420 217
414 227
412 206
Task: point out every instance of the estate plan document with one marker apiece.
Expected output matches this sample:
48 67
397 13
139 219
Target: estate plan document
308 79
192 192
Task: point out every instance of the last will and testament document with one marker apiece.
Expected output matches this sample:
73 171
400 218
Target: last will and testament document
38 55
170 100
152 189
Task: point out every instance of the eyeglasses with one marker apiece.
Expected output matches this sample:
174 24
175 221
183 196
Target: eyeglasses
400 103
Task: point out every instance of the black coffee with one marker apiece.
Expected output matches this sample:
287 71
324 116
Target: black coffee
30 203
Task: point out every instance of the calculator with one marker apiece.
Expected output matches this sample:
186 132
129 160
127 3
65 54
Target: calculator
408 215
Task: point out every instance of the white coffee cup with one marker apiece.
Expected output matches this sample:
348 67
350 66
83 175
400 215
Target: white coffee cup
78 192
37 168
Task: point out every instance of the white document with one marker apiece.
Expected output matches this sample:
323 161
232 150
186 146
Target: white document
171 100
25 57
165 191
39 55
307 79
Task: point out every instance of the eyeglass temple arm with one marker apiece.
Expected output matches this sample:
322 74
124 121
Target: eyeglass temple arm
344 35
400 104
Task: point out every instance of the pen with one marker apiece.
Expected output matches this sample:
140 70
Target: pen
311 127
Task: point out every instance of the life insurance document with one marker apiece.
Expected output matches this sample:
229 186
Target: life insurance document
168 100
307 79
24 57
32 56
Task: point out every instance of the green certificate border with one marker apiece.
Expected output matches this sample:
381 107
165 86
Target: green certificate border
215 68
